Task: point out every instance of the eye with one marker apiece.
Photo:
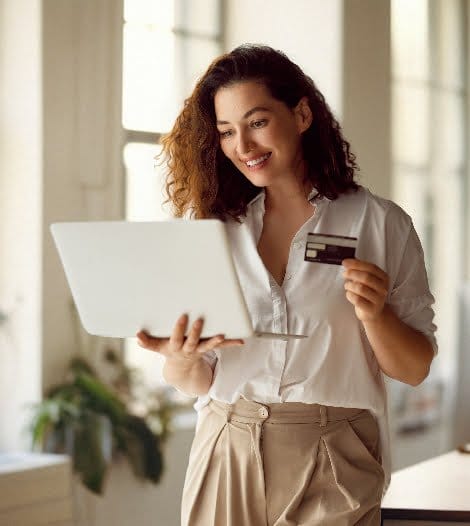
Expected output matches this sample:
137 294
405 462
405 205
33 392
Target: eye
225 134
259 123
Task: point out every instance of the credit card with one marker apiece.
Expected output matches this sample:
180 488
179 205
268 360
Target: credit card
325 248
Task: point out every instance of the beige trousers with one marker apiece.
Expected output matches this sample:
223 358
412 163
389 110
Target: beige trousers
283 465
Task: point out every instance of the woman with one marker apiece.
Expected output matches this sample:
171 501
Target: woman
291 432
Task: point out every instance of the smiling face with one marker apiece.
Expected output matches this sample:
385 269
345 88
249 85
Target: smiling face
260 134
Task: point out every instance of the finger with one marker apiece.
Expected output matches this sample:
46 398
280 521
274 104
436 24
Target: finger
359 301
231 343
219 342
149 342
210 344
366 278
375 275
192 341
177 336
363 291
358 264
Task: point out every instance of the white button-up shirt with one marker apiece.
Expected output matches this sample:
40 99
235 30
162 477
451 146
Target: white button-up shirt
335 365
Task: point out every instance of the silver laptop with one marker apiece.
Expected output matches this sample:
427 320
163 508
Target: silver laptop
127 276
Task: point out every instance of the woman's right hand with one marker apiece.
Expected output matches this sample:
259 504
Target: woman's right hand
185 349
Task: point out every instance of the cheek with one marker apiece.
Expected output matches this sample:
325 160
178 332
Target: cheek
292 144
280 138
226 149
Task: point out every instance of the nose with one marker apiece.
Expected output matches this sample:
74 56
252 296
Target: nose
244 144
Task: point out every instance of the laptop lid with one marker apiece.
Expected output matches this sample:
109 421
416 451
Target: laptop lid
127 276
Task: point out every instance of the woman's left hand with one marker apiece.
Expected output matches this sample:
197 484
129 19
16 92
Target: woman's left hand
366 288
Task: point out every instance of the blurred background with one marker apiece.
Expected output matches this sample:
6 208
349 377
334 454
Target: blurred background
88 86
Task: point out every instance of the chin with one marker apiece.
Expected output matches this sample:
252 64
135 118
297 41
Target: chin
259 180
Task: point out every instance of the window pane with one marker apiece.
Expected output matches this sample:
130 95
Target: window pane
150 364
155 12
448 185
450 63
193 56
159 71
144 184
198 16
411 123
449 128
448 264
148 79
410 190
143 203
409 28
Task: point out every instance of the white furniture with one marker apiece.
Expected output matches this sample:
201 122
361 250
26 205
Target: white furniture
435 492
35 490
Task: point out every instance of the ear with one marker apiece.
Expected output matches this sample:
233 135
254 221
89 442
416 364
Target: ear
303 115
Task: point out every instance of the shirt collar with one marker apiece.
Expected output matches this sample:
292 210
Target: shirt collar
313 193
311 196
257 196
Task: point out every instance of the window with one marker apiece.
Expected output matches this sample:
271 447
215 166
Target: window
429 160
167 45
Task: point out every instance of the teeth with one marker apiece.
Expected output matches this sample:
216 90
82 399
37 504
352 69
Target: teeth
254 162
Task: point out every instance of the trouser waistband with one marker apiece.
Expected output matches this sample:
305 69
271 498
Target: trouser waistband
246 411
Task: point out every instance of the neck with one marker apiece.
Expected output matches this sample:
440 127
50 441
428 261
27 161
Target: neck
290 191
287 196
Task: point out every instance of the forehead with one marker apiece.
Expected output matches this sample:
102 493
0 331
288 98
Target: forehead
234 100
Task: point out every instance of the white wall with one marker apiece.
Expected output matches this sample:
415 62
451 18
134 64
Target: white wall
20 214
60 159
366 90
82 169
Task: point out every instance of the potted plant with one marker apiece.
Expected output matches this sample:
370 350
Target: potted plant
93 421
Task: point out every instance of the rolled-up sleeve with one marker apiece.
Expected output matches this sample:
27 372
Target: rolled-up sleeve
410 297
211 358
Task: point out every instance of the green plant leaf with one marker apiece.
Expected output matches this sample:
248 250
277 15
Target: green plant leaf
91 449
147 459
41 424
100 397
47 415
80 365
134 450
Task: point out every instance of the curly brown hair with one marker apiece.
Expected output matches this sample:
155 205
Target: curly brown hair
202 181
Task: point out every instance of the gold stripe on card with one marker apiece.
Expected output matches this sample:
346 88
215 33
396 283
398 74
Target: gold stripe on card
318 246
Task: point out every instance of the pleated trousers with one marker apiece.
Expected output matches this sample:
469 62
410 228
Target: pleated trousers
285 464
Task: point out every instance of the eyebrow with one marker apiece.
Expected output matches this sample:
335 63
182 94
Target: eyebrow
248 113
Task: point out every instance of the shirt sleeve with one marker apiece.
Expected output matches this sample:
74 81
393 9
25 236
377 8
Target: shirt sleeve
211 358
410 297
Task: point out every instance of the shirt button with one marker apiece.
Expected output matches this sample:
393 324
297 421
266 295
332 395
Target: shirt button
263 412
288 277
